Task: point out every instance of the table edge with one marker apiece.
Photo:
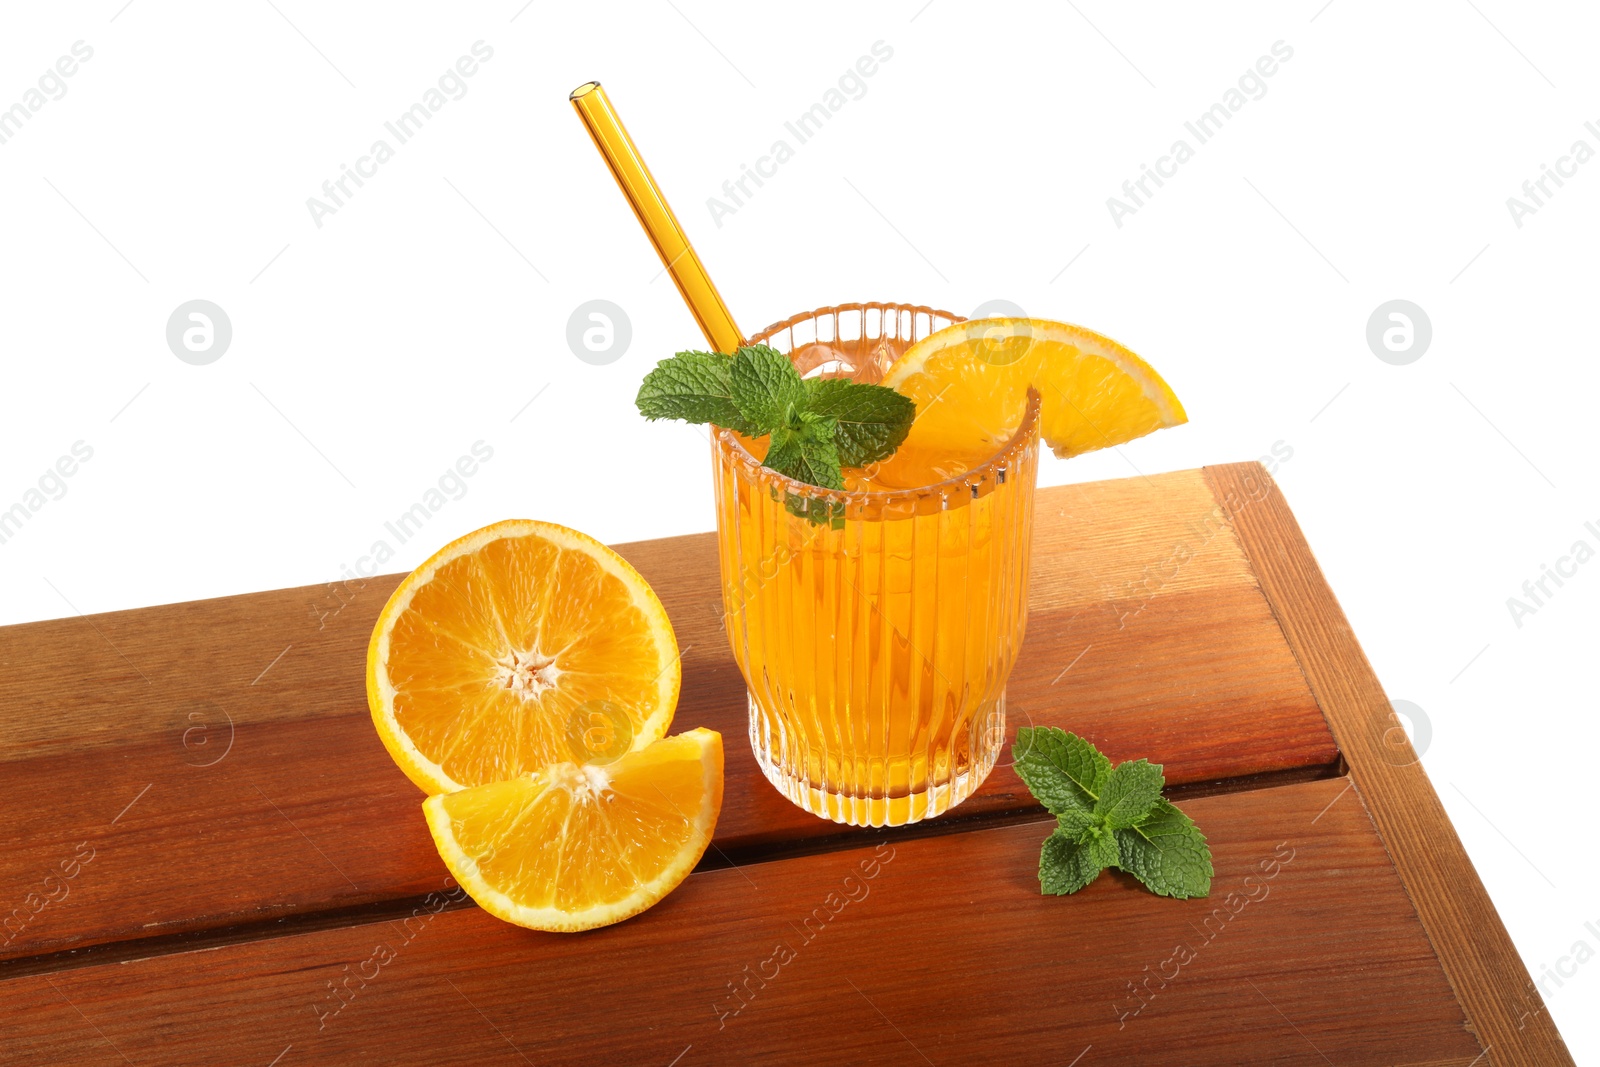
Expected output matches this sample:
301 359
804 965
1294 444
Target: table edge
1502 1005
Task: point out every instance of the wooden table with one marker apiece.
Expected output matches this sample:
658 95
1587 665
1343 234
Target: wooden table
208 858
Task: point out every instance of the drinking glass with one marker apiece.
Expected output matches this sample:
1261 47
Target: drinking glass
875 628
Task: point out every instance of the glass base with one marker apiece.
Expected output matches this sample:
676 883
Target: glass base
988 737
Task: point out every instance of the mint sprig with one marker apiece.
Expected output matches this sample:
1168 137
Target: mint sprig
816 427
1108 817
869 421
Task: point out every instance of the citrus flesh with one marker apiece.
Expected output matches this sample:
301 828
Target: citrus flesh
971 380
573 847
518 646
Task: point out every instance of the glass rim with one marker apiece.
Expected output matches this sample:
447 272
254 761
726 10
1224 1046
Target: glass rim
1026 433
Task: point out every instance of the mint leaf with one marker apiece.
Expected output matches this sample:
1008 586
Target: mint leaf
872 420
1108 817
1133 789
816 427
766 388
1102 846
1077 823
693 386
1168 853
1063 771
816 511
807 454
1066 866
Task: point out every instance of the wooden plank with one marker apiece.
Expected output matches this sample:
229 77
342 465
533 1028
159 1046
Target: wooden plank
1482 964
217 759
936 949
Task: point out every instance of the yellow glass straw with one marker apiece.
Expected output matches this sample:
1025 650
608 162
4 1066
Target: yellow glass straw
656 216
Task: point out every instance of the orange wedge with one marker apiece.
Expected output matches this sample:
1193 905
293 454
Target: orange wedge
971 381
515 647
573 846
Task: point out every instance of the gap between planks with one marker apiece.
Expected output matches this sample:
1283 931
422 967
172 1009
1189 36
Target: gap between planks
132 949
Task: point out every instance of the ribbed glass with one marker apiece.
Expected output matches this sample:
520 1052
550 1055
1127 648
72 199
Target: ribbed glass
875 645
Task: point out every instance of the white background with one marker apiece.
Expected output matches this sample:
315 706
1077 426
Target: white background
369 353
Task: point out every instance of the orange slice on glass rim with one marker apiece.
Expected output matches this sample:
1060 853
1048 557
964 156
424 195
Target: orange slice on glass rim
970 381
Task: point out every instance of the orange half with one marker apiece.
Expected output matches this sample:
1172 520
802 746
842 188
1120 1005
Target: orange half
518 646
572 846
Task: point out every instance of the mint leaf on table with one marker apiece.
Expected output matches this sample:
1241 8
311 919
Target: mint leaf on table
1130 793
1101 845
1108 817
816 427
1076 822
871 421
1065 866
1062 771
1069 861
1167 852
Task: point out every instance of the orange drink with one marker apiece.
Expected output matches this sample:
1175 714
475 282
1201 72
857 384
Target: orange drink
875 627
875 623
